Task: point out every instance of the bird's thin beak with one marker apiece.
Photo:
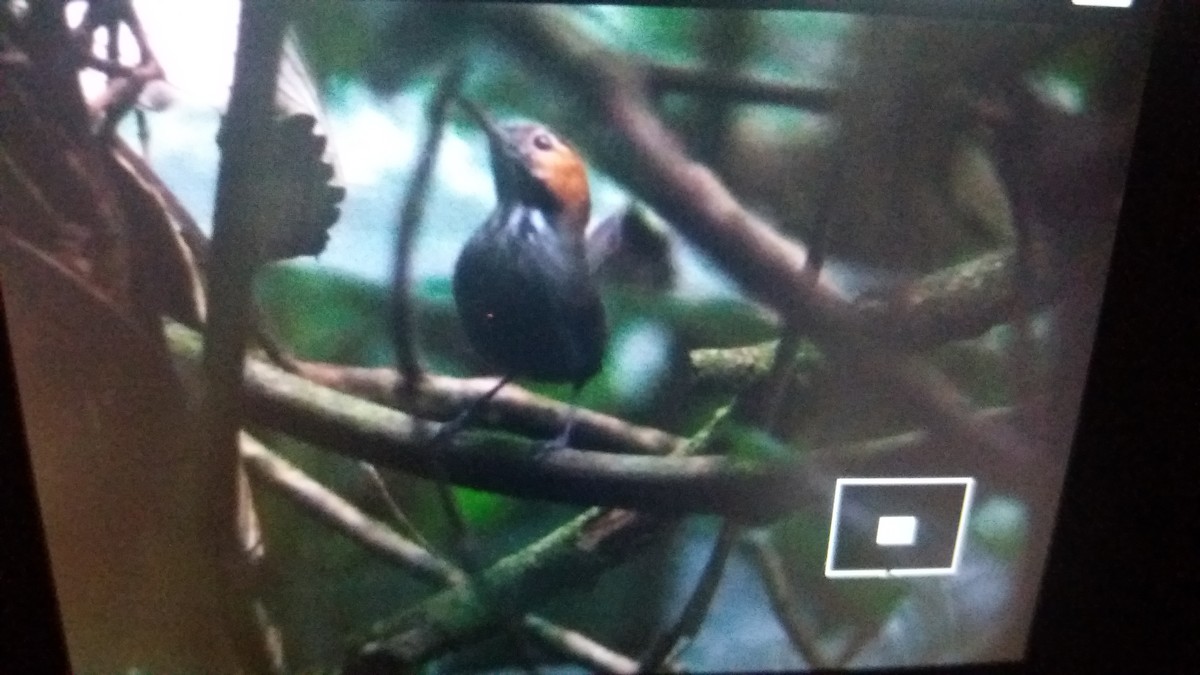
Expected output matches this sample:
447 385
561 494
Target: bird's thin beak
495 135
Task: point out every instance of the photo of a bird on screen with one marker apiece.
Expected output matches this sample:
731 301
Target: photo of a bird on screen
479 337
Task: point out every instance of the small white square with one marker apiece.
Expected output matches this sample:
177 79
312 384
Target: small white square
896 531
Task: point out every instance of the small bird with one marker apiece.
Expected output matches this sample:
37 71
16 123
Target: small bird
523 283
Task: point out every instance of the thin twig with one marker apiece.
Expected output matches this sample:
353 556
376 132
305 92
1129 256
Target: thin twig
409 221
326 506
398 516
778 379
696 609
125 83
404 338
579 647
783 601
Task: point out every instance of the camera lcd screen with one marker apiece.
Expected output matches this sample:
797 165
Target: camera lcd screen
576 337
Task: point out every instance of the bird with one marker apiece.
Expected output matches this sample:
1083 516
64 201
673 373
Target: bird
524 284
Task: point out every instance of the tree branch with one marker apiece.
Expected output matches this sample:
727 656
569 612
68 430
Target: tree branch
661 77
783 602
956 303
735 368
508 465
580 648
570 557
269 469
409 221
512 408
280 475
696 609
242 212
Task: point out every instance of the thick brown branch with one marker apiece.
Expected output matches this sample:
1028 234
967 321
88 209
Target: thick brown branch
509 465
956 303
512 408
742 88
241 212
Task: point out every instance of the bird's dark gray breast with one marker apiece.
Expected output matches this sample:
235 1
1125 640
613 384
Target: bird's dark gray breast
527 310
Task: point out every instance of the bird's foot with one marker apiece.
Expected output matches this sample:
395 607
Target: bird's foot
449 430
543 449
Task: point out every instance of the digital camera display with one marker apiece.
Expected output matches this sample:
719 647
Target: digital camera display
474 337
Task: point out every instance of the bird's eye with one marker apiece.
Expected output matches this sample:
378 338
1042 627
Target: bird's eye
543 142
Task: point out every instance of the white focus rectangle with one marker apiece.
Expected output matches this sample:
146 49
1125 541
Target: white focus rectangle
929 540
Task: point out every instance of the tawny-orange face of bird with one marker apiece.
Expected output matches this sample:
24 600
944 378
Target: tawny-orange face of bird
533 164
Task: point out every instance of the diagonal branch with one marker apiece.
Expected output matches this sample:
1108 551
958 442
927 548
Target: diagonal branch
783 601
273 471
570 557
326 506
581 648
696 609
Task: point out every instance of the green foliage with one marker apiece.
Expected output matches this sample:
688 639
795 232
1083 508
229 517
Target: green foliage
803 541
336 39
485 510
750 444
1000 524
655 32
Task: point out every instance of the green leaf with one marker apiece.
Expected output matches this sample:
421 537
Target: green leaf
803 541
751 444
484 509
